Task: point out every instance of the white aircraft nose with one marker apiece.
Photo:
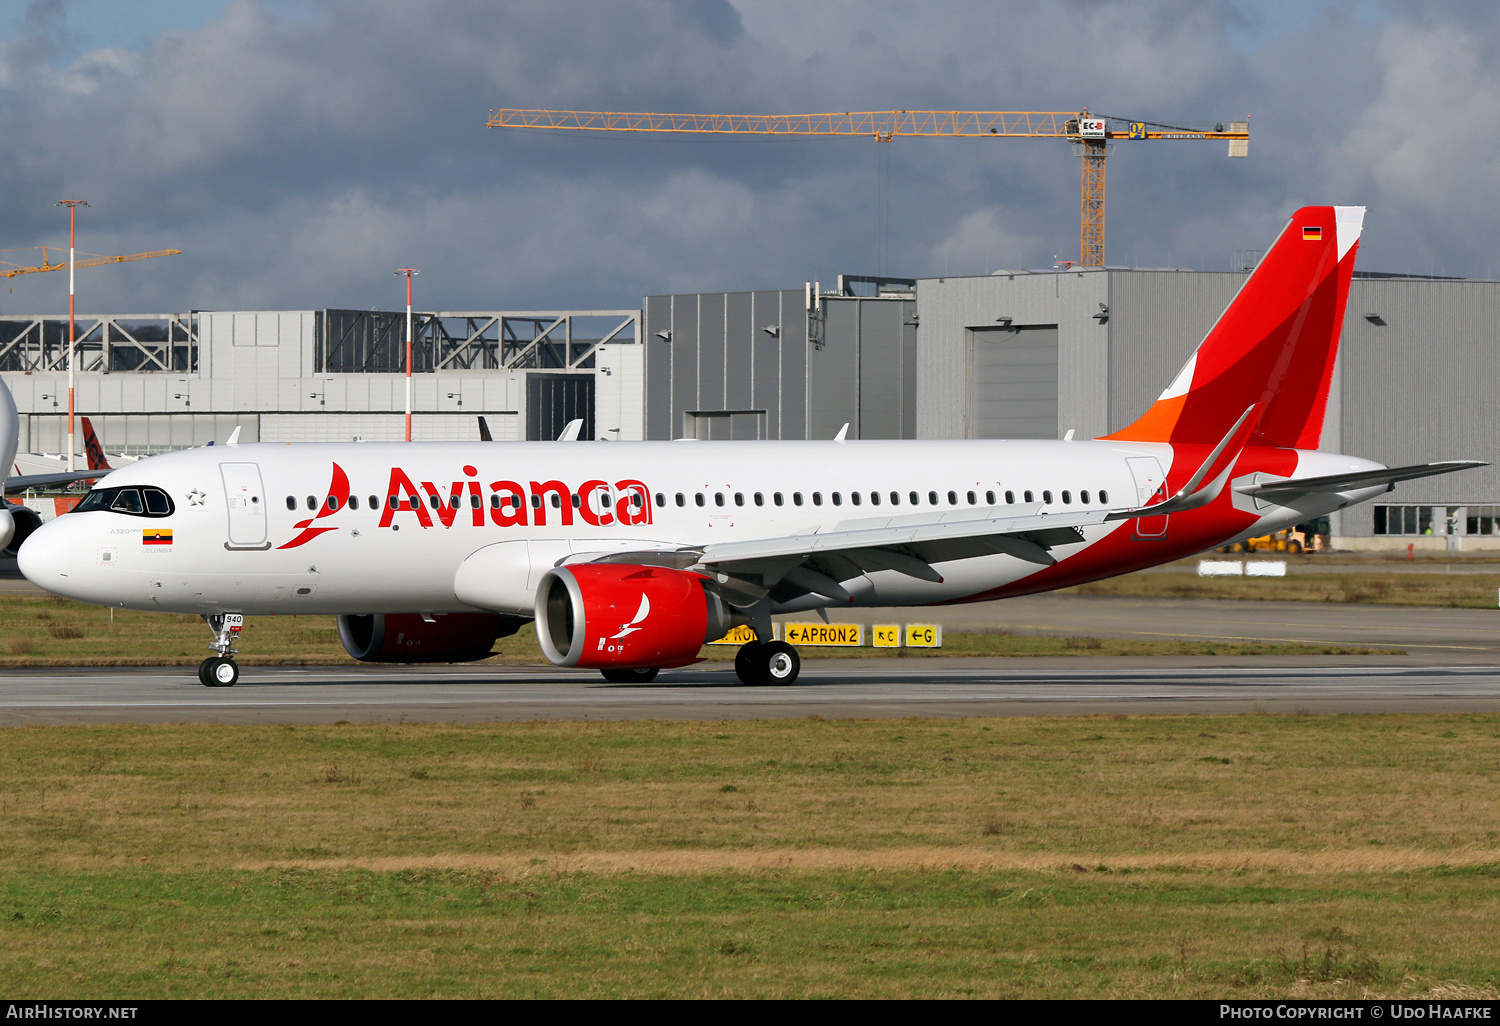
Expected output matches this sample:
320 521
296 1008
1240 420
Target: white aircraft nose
48 558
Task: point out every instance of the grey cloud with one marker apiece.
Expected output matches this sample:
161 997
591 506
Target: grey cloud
298 161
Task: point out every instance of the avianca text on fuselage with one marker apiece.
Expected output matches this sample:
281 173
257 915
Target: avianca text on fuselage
502 503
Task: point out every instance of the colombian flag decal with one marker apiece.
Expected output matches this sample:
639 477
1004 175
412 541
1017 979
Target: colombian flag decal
156 536
1312 234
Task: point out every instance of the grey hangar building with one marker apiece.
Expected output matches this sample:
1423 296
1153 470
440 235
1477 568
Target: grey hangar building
1013 354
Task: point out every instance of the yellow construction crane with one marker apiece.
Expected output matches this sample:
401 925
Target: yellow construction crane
1092 133
94 260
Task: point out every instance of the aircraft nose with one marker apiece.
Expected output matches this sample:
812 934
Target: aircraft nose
48 557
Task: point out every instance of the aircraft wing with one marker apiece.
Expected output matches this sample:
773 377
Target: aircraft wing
910 544
21 482
1359 479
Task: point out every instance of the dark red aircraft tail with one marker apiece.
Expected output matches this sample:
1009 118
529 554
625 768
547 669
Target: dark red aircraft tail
97 459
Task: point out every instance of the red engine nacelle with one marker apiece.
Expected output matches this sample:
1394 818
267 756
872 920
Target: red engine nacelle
617 615
407 638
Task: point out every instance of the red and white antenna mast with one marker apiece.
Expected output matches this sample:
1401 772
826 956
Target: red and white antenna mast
72 205
410 273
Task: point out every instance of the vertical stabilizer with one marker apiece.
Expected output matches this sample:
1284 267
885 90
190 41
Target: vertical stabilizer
1275 344
97 459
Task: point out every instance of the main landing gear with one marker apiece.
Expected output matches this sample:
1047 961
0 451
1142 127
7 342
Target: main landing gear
641 676
220 670
767 662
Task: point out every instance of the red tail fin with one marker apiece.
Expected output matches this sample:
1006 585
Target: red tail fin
97 459
1275 344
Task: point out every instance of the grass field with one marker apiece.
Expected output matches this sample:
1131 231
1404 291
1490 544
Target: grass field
1082 856
40 631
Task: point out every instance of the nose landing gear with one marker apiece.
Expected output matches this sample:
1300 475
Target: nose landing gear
220 670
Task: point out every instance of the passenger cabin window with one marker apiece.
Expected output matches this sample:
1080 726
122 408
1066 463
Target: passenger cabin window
143 501
661 499
854 498
1027 495
718 498
291 502
312 502
333 503
973 499
1103 497
556 501
1067 497
1047 496
796 498
739 498
1010 497
698 498
577 503
681 499
838 500
777 498
760 499
393 501
413 502
989 498
374 502
874 498
953 498
354 502
536 501
932 498
817 498
473 501
1083 496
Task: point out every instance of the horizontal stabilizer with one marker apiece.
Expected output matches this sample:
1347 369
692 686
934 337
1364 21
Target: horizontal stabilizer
1357 479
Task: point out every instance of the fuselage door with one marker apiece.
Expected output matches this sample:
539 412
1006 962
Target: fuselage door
246 499
1150 487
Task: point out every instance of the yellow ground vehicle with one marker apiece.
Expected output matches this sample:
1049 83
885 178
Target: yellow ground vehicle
1311 536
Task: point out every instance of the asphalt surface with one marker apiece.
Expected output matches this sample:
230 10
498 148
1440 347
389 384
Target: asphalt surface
1452 663
1444 635
828 688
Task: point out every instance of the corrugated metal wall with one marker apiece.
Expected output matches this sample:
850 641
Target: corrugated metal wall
952 308
717 357
1156 320
1423 386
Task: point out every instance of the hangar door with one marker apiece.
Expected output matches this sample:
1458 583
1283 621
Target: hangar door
554 399
1012 382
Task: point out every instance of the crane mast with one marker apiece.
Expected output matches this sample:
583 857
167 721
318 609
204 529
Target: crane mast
1093 134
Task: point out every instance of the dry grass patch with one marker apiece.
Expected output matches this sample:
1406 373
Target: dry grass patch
1251 856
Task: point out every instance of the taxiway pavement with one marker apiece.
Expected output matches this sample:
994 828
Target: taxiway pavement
830 688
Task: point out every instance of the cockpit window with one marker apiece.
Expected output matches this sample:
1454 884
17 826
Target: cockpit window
127 500
135 502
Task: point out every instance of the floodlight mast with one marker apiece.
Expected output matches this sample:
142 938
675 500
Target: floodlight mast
410 273
72 205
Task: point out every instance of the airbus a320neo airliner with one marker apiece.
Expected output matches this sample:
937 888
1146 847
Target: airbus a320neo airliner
629 556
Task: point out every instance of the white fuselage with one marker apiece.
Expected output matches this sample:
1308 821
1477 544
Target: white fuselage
232 543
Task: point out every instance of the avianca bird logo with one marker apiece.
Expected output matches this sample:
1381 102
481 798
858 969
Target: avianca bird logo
338 497
627 629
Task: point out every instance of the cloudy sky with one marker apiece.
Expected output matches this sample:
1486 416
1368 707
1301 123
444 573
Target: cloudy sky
298 151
